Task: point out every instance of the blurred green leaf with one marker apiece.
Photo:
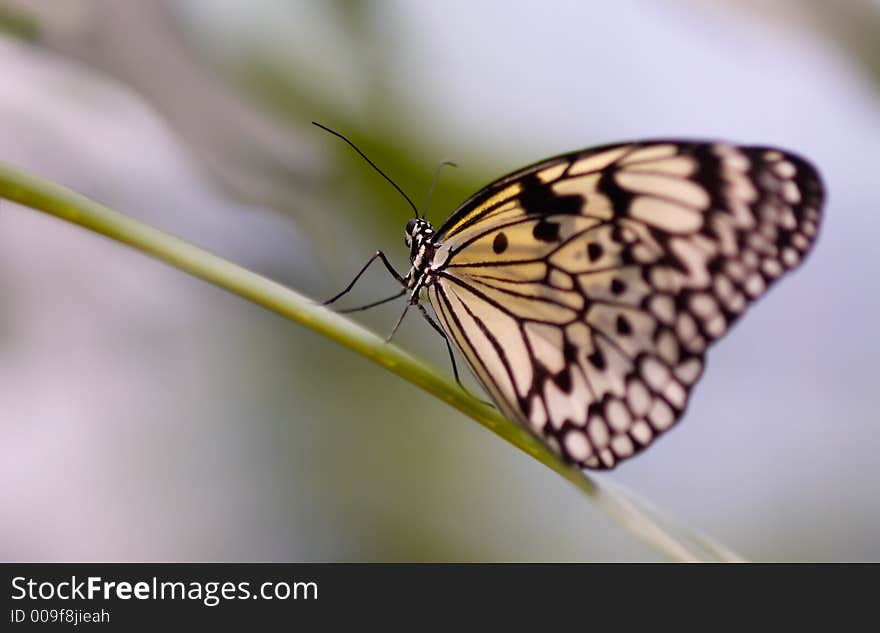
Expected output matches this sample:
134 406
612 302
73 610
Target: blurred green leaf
17 24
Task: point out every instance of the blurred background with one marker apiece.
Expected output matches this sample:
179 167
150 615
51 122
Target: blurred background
145 415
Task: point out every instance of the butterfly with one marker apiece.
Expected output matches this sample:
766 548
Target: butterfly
584 290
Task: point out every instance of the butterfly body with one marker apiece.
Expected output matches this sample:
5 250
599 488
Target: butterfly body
584 290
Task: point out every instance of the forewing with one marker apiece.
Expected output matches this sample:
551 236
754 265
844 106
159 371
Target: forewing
584 290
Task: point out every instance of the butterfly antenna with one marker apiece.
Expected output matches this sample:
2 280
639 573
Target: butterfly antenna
445 163
371 163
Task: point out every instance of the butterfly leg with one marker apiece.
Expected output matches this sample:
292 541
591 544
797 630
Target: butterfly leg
451 354
399 321
377 255
396 295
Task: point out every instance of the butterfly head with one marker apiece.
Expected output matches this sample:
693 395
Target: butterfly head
419 233
419 237
417 229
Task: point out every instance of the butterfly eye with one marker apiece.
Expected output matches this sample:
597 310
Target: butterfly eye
410 226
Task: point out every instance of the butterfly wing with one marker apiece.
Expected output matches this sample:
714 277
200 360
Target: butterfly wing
584 290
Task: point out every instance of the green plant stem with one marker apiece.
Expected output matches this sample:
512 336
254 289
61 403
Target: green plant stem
28 190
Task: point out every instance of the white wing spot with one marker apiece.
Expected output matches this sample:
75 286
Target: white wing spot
618 416
578 334
652 152
697 344
643 254
622 445
724 288
755 285
809 228
685 327
735 269
667 347
703 304
642 432
689 371
538 415
552 173
681 166
733 158
716 326
546 342
771 267
597 161
577 446
638 397
790 192
664 279
769 231
559 279
665 215
661 415
655 373
607 458
675 393
787 219
784 169
800 241
598 432
683 190
663 308
737 302
741 190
